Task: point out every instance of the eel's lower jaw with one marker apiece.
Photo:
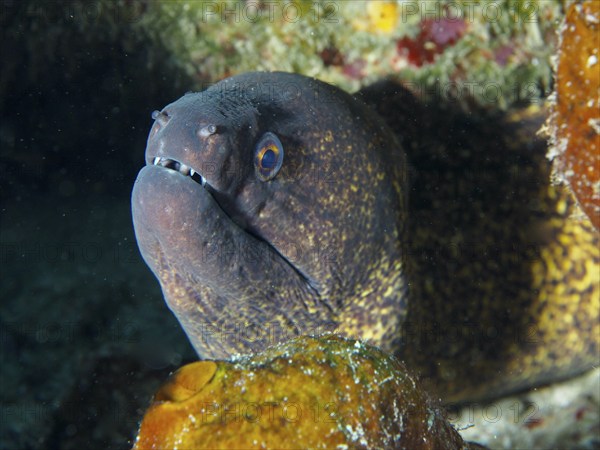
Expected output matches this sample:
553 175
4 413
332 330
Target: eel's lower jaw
161 205
181 168
170 200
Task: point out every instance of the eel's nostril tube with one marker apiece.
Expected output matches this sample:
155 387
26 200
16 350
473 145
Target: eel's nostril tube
161 117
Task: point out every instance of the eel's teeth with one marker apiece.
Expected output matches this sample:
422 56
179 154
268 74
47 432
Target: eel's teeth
179 167
184 169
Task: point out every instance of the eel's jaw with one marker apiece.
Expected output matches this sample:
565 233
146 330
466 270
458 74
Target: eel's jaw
200 257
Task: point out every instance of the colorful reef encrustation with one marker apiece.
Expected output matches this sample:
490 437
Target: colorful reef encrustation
575 122
307 393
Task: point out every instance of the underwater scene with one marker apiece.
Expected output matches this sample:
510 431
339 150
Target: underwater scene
300 224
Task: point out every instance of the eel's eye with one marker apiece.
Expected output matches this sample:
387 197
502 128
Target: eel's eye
268 156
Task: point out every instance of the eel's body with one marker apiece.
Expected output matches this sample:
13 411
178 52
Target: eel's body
285 212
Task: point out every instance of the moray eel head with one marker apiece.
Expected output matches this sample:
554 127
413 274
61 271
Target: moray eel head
273 205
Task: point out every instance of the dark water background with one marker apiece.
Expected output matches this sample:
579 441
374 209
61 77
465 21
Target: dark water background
85 336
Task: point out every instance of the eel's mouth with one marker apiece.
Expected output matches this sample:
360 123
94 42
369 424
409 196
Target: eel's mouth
183 169
234 218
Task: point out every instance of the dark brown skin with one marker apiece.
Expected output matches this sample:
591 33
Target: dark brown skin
330 243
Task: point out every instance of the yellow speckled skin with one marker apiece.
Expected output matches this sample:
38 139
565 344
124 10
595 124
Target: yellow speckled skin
484 282
503 268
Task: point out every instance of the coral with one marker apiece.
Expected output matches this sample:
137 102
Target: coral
323 392
435 36
352 44
575 122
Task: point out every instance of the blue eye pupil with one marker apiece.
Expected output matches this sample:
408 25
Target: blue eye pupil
269 159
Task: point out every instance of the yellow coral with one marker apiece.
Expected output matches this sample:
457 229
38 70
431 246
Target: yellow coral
382 17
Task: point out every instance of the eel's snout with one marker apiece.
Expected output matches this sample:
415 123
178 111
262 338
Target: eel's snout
183 138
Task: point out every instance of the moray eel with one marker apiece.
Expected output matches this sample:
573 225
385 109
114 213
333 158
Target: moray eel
273 205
